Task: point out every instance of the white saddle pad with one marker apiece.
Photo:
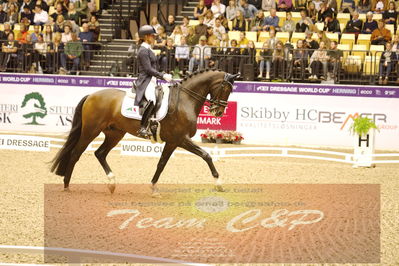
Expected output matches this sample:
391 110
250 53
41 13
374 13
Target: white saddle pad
130 110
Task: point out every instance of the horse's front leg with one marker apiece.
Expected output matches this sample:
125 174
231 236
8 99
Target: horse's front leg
190 146
166 153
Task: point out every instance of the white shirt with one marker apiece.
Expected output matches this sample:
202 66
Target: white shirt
66 37
41 17
218 10
219 31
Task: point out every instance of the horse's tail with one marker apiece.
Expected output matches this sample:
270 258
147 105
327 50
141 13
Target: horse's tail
61 160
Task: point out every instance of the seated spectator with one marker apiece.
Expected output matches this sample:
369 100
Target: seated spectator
21 37
4 34
199 30
268 4
82 9
35 34
26 55
301 5
66 36
265 60
355 24
218 29
64 4
331 25
249 11
218 8
154 23
300 58
216 53
304 23
248 57
256 3
323 38
224 22
176 35
87 38
167 56
12 14
243 41
231 58
332 4
231 10
284 5
72 14
30 4
160 39
54 54
9 51
334 57
41 16
3 15
309 43
257 23
318 63
381 35
59 24
324 12
379 7
72 51
210 36
170 26
390 16
48 34
370 25
94 26
200 55
185 25
347 6
208 3
289 24
39 55
239 23
386 62
27 13
42 4
273 40
182 55
312 12
191 38
59 11
209 20
200 9
271 21
363 6
278 61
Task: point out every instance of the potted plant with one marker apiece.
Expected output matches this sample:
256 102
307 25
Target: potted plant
237 137
219 137
205 137
364 130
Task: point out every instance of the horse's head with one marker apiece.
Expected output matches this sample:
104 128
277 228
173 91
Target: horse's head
220 94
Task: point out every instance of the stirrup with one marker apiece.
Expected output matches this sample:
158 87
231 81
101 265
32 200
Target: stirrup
144 133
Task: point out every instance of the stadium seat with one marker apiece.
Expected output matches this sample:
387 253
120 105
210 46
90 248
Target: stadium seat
342 26
391 28
252 36
234 35
193 22
348 38
258 45
315 37
364 39
343 17
370 65
282 16
297 36
51 10
266 13
31 29
230 24
345 48
377 17
359 50
283 36
362 16
320 26
376 50
1 27
17 27
332 36
263 36
296 16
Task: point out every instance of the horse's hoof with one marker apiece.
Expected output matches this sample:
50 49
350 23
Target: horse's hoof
219 188
66 189
111 188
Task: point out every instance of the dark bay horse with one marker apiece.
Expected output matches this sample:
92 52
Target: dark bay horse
101 112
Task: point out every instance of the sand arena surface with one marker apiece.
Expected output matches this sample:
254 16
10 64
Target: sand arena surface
23 175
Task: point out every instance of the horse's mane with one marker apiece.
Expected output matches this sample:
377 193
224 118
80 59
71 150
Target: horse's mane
189 77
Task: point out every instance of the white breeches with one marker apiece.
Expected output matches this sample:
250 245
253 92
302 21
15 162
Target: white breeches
150 90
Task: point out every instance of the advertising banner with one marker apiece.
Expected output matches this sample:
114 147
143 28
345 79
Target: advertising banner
227 122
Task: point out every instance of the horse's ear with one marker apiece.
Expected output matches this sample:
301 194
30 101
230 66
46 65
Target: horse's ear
230 78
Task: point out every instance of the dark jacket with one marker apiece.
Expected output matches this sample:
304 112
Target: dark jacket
147 62
350 26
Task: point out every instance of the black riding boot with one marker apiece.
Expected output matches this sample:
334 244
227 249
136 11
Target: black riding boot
143 131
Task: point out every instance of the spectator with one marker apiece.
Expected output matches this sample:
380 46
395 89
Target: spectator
332 4
334 57
59 11
271 21
323 38
182 55
257 23
35 33
268 4
87 38
54 54
94 26
278 61
231 10
289 24
318 63
200 9
210 36
64 4
354 25
273 40
12 14
218 8
167 56
30 4
331 25
363 6
386 62
43 5
370 25
73 50
216 53
21 37
155 24
59 24
249 11
191 38
324 12
256 3
248 57
41 16
9 51
3 15
218 29
170 26
66 36
40 51
176 35
209 19
300 58
304 23
301 5
284 5
4 34
312 12
243 41
380 35
26 54
48 34
310 44
185 25
208 3
224 22
265 60
317 4
390 16
82 9
27 13
160 40
239 23
379 7
232 61
200 30
347 6
72 14
200 55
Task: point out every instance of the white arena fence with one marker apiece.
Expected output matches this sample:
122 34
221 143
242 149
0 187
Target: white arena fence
136 147
77 255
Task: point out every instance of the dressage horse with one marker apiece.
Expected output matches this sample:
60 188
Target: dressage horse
101 112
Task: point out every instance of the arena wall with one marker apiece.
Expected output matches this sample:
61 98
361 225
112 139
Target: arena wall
266 113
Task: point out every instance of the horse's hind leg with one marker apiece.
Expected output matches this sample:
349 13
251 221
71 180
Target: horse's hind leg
112 137
190 146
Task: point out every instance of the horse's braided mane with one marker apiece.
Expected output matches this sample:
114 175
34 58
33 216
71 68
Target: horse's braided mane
190 76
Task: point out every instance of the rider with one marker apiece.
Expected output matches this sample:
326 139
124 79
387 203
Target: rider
146 81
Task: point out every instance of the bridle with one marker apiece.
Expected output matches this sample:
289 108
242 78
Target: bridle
214 102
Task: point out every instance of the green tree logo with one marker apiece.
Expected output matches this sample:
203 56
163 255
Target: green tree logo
36 107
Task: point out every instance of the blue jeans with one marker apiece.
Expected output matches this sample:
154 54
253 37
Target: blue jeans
195 62
262 65
387 69
75 61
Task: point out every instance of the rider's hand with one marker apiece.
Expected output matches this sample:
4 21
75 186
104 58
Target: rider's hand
167 77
